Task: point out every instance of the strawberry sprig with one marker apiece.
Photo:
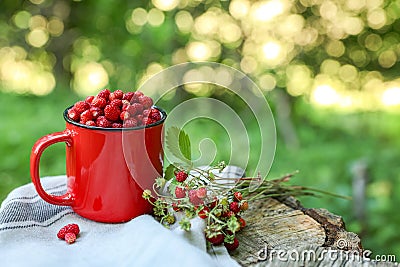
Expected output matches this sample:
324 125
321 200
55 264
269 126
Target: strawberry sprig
204 192
201 192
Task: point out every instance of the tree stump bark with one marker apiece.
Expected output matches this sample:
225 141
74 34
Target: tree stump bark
281 232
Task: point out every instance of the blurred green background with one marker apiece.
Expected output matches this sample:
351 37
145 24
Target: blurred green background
328 68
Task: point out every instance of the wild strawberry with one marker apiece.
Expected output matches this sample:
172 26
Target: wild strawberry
137 95
213 203
147 121
117 94
61 233
90 123
124 115
128 96
228 214
234 206
232 246
203 213
99 102
104 94
175 206
70 238
146 101
146 113
244 206
137 107
139 119
201 192
86 116
112 112
180 192
132 110
181 176
237 196
125 104
216 239
116 102
96 112
242 222
69 228
81 106
89 99
102 121
129 123
194 199
72 228
73 114
155 114
116 125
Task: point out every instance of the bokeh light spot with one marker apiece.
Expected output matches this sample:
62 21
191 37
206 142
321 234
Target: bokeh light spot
89 78
155 17
139 16
184 21
198 51
239 8
267 82
335 48
373 42
55 26
348 73
37 37
271 50
325 95
376 18
267 10
165 5
391 96
37 21
387 59
21 19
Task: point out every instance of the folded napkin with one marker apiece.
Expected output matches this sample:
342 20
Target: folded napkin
29 226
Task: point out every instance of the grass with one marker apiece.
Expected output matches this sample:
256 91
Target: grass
329 144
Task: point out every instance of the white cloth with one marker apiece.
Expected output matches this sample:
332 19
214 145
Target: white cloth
29 226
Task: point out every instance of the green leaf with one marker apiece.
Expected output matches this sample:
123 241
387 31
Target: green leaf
172 186
184 145
178 144
169 172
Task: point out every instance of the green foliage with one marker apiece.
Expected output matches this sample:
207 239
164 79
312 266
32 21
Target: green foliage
178 144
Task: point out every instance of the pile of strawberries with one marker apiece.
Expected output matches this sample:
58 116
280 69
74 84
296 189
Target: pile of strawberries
69 233
115 110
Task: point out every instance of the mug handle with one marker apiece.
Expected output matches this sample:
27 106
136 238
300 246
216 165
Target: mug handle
37 150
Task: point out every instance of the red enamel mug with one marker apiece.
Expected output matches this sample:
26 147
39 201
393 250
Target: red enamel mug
107 168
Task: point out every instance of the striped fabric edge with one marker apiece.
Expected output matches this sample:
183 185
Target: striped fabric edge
28 224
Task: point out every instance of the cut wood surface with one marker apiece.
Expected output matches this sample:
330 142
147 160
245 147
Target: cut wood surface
284 233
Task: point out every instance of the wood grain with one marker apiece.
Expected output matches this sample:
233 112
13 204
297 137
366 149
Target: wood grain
281 232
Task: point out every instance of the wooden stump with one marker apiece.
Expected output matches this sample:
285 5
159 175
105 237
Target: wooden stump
281 232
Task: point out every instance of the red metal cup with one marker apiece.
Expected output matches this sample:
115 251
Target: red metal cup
107 169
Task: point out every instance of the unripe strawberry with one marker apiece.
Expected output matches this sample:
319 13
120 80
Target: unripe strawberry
244 206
